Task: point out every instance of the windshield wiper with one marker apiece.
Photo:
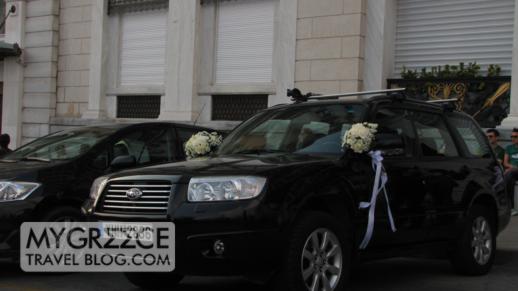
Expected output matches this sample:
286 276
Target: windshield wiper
8 161
35 159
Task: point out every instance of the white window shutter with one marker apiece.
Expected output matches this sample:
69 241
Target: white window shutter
142 48
439 32
244 45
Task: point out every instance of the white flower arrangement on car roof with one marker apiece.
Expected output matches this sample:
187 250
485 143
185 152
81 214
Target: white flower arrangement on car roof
202 144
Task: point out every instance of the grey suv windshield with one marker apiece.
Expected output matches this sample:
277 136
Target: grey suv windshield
63 145
298 129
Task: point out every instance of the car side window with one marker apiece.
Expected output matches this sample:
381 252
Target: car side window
434 138
471 136
148 146
395 136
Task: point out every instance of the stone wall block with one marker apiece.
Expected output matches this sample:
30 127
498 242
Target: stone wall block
40 100
40 54
303 70
341 25
42 23
69 79
320 87
42 7
48 69
312 8
37 115
40 85
322 48
70 47
339 69
41 39
76 94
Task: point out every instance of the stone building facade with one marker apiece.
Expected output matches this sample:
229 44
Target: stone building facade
210 61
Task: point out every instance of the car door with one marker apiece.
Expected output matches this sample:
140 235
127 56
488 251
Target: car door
404 188
444 174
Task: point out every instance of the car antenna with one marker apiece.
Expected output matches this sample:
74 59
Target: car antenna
199 114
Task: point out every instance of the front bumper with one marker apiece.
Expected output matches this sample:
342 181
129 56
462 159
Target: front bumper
252 241
12 215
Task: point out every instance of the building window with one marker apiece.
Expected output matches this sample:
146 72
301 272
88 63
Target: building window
145 107
237 107
136 63
244 41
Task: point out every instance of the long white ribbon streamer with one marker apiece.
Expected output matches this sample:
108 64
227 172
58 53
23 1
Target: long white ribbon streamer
380 180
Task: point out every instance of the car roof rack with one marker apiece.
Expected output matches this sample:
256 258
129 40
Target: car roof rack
446 104
443 100
297 96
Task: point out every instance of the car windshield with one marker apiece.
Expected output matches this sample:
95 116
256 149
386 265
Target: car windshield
63 145
298 129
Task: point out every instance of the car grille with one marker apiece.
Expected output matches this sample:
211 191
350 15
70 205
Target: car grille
154 199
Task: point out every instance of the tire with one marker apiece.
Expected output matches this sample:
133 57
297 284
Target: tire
474 251
304 265
63 214
154 281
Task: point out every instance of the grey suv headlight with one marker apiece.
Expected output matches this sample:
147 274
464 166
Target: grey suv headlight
225 188
97 187
15 191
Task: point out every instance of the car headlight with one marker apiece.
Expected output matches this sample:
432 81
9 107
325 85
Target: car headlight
14 191
97 187
225 188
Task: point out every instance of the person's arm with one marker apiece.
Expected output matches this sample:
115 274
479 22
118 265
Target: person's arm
507 165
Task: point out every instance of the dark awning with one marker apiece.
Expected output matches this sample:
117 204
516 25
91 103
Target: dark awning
9 50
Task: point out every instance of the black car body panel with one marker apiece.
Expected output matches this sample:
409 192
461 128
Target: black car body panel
429 198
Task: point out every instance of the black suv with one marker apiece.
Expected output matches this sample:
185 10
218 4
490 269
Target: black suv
49 178
281 198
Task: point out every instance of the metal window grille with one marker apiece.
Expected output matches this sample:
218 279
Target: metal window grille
147 107
237 107
136 5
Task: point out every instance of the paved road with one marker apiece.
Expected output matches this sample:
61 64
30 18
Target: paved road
395 274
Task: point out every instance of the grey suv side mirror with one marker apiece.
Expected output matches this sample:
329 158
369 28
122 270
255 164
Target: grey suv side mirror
123 162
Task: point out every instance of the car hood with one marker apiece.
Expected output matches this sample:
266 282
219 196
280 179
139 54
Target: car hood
24 170
229 165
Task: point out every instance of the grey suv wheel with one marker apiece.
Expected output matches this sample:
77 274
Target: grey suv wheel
319 254
474 252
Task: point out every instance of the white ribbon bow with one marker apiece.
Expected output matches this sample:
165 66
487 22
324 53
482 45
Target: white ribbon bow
379 185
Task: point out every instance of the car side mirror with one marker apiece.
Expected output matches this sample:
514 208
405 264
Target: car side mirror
123 162
390 144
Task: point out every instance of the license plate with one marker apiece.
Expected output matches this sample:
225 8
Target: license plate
125 231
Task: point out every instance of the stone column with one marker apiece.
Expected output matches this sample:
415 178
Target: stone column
13 75
379 43
181 94
512 120
98 58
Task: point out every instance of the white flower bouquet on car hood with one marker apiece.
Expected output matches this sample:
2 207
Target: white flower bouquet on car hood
202 144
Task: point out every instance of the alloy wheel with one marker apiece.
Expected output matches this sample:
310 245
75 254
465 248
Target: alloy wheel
322 261
482 242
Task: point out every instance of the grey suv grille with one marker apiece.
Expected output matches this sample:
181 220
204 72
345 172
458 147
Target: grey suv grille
154 197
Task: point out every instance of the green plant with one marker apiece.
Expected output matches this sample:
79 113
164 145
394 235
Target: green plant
460 71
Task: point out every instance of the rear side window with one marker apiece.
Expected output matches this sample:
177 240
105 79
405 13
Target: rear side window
434 138
472 137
